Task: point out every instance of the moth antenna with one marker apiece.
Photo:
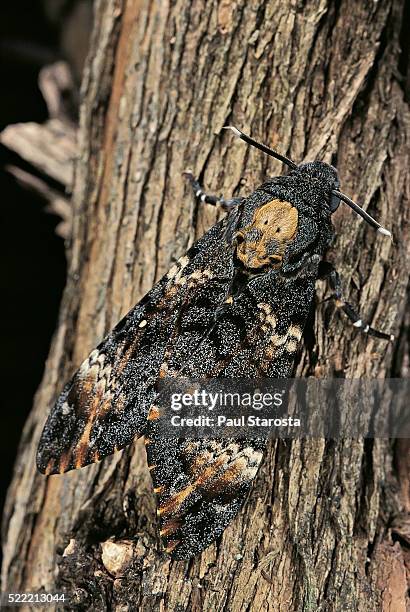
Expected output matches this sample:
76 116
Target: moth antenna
260 146
362 213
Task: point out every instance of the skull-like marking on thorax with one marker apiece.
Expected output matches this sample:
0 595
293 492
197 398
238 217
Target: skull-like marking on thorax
263 242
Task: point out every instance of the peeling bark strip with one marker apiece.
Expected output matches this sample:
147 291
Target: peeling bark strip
314 79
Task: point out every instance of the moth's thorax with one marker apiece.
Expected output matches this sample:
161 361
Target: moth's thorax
264 241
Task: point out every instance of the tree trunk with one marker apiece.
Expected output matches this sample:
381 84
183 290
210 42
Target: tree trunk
317 80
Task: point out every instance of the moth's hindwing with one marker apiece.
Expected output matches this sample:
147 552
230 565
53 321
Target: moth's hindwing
105 405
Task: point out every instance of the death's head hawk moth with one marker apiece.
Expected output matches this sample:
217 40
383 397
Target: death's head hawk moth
234 307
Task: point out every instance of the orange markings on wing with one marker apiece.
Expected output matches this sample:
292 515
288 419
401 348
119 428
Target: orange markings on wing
153 414
210 471
83 445
172 545
170 527
171 292
229 476
106 406
96 456
50 467
175 501
65 461
198 462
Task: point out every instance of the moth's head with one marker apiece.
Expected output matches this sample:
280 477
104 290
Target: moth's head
325 177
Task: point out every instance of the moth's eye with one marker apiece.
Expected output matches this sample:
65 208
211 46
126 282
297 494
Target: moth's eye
277 230
334 203
266 222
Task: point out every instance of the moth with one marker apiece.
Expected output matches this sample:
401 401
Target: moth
233 307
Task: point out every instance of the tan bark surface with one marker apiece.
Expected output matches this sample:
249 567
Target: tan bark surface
316 79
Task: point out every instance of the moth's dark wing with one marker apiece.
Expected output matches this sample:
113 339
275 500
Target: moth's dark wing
256 335
201 485
105 405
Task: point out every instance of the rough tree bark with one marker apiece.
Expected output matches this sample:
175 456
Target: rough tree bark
316 79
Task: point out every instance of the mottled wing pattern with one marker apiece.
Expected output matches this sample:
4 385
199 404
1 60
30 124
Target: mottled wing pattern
201 484
105 405
256 335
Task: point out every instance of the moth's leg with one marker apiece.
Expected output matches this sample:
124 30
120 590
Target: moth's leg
211 199
328 272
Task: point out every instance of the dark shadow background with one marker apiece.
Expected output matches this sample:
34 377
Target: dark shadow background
33 265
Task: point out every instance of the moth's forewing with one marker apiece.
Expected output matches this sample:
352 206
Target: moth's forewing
105 405
200 486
